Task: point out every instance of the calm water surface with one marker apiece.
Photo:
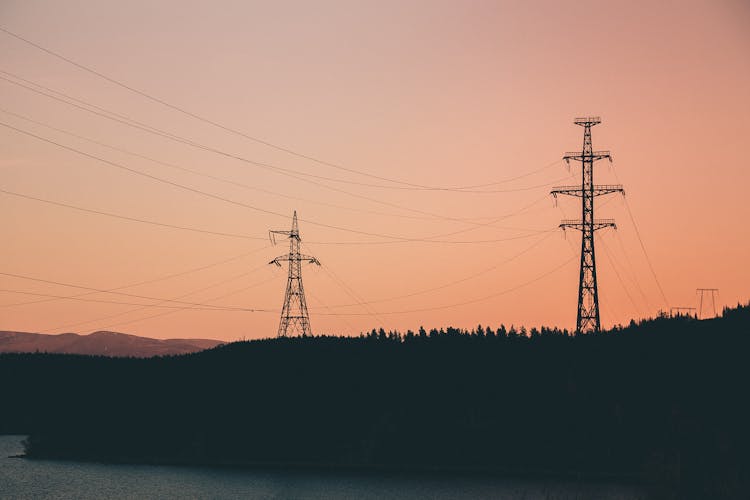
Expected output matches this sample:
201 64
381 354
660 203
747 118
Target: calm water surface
46 479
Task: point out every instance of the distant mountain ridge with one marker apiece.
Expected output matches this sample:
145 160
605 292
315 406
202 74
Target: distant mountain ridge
102 343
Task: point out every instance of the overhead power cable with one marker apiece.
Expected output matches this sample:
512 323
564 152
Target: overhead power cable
611 260
131 219
209 307
234 235
208 176
279 170
350 291
450 283
224 179
175 311
521 210
643 247
206 307
466 302
648 259
101 290
232 130
89 107
633 274
171 310
153 280
351 327
230 201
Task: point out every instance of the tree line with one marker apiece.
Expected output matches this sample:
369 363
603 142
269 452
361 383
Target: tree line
661 401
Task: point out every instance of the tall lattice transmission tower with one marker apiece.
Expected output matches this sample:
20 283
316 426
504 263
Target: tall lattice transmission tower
294 316
588 294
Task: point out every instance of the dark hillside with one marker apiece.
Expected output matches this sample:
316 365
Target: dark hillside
664 401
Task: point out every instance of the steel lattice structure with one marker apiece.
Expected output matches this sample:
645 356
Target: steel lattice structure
294 316
588 318
713 292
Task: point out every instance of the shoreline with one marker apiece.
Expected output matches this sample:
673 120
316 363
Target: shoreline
365 469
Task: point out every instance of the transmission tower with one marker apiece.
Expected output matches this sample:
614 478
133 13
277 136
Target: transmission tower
713 292
681 311
588 294
294 316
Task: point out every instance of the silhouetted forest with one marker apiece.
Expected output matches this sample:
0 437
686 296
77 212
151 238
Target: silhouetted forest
664 401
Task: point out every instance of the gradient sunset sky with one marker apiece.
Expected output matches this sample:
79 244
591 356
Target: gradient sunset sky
429 93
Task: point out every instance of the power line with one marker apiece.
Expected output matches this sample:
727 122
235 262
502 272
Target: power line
170 311
93 108
497 219
128 121
206 307
524 209
350 291
208 176
643 247
617 273
458 242
280 170
199 306
175 311
634 275
100 290
226 180
648 259
458 304
229 129
187 188
127 218
492 223
234 235
153 280
344 320
451 283
228 200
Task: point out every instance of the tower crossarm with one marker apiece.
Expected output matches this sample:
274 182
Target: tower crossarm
579 225
584 156
587 121
296 258
680 310
598 190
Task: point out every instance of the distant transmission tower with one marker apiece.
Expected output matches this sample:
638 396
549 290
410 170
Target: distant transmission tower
294 316
681 311
713 292
588 294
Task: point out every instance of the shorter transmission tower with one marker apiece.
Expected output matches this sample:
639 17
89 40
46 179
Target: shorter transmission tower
713 292
294 316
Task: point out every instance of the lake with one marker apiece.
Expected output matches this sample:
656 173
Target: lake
47 479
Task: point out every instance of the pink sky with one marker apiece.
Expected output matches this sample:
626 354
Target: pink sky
429 93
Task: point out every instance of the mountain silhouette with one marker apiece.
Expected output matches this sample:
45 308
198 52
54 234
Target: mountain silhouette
101 343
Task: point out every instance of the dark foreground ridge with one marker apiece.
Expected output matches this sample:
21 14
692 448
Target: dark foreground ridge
663 402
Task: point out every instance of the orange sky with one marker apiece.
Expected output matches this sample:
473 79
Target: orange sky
430 93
